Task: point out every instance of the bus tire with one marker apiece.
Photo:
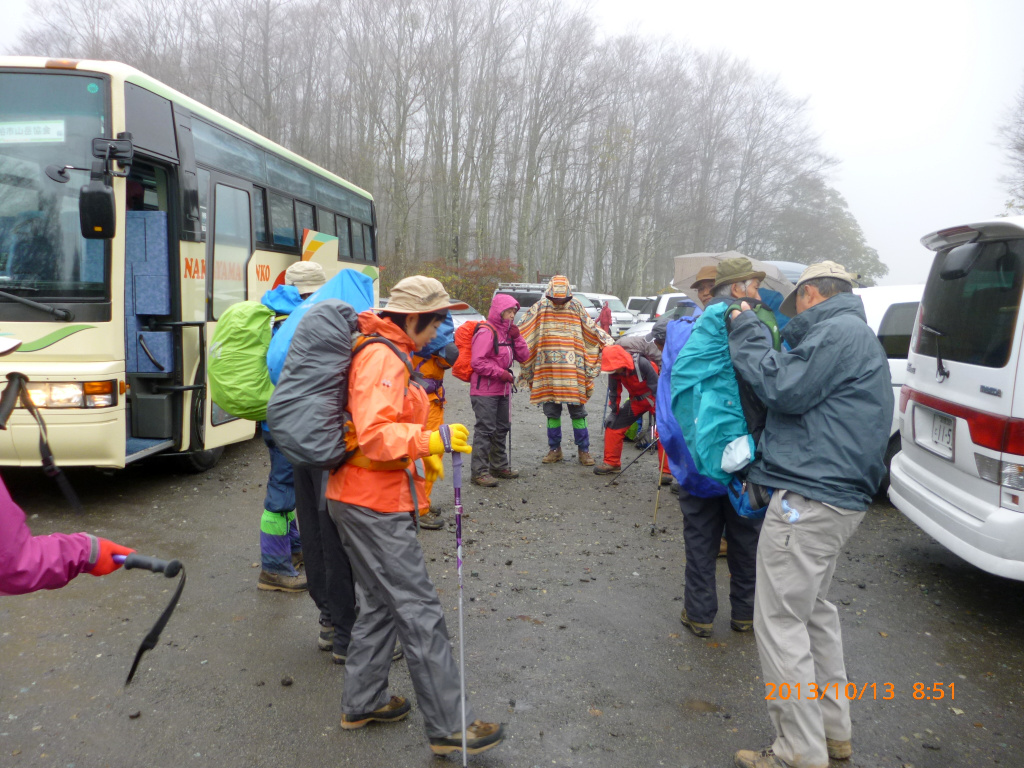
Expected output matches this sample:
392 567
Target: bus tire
198 462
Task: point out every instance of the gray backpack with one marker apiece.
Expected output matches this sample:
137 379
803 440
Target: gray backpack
307 414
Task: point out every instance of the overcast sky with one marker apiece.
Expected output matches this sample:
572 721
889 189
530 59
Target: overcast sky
905 93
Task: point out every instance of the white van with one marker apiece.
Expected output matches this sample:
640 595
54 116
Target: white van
960 475
891 311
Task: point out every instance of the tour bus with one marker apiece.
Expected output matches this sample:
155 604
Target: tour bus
131 217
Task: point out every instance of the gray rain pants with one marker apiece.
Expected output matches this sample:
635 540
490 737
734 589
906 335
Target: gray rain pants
490 433
797 628
396 598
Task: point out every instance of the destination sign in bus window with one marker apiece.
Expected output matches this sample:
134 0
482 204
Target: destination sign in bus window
36 132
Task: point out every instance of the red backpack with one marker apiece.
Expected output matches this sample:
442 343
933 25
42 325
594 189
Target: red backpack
463 368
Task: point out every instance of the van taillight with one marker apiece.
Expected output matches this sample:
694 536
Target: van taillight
997 433
904 397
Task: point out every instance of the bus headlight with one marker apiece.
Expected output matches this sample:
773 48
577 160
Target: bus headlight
73 394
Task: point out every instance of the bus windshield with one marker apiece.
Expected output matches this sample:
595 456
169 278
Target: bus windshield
48 119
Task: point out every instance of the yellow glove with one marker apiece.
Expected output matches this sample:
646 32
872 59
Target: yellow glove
433 468
460 440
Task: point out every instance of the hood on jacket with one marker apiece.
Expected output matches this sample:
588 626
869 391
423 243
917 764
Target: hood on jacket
615 357
371 322
499 304
559 288
833 306
283 300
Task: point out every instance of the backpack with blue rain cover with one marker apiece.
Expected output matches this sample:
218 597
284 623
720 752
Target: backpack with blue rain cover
349 286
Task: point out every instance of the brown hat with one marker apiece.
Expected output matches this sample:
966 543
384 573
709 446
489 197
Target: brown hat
418 294
821 269
737 270
706 273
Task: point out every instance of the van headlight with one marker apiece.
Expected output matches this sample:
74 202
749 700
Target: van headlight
73 394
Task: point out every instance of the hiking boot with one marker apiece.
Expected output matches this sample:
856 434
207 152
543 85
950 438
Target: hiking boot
505 474
723 548
605 469
554 456
766 758
282 582
431 521
480 737
666 478
700 630
839 750
298 560
741 626
341 658
485 481
326 640
674 487
392 712
585 458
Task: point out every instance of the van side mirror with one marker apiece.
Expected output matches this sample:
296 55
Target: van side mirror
96 211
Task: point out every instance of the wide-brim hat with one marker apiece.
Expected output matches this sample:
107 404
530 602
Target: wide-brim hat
706 273
737 270
420 294
821 269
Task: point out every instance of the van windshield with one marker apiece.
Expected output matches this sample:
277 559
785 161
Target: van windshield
976 314
896 328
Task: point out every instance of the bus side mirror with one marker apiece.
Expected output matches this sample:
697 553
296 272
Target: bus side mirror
96 211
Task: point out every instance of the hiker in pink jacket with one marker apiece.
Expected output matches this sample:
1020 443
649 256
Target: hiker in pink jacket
496 344
29 563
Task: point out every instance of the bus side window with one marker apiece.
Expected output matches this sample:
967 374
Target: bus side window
368 242
357 241
259 208
304 218
282 220
325 221
231 247
344 244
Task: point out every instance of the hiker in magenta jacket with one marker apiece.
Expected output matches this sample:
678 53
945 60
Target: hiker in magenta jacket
29 563
496 344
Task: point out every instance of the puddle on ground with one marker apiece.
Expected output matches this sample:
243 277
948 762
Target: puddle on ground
696 705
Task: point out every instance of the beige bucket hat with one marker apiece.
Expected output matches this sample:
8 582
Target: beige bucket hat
417 294
306 276
821 269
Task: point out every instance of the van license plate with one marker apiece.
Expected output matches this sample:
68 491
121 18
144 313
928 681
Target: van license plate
943 429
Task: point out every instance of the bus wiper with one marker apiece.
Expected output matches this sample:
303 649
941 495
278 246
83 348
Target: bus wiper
941 372
64 315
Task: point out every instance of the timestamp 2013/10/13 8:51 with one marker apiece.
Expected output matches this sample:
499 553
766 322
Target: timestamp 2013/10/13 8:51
874 691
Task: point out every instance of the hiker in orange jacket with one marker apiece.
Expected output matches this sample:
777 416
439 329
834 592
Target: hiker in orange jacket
373 500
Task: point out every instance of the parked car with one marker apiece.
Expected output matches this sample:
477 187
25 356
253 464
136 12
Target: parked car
664 302
960 474
460 316
891 311
621 316
644 329
639 305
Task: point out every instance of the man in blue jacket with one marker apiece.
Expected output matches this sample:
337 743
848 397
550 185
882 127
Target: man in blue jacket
830 405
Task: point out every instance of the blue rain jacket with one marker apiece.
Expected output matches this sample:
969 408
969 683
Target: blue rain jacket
349 286
445 336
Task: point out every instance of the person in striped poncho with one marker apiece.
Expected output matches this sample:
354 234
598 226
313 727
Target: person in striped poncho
565 358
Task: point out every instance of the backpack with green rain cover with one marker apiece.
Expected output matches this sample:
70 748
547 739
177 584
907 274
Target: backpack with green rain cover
239 378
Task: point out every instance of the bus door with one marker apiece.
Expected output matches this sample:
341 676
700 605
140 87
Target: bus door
228 249
152 356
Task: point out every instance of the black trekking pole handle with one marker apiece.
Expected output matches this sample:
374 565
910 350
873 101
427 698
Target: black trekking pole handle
9 398
169 568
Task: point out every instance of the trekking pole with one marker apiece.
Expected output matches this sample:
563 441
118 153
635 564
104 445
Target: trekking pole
657 496
170 569
457 483
615 480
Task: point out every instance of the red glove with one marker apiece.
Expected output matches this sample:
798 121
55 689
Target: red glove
105 562
513 332
507 377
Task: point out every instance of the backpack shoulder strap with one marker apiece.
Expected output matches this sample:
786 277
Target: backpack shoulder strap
494 332
415 377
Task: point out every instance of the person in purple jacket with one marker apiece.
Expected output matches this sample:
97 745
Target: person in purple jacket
29 563
496 345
